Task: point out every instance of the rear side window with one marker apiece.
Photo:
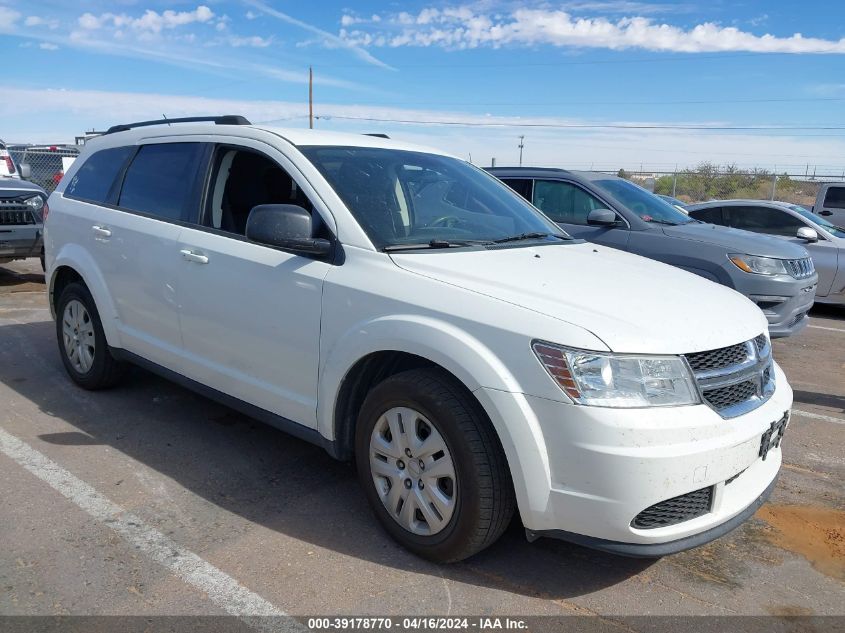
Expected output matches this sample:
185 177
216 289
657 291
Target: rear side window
835 198
713 215
94 180
764 220
161 180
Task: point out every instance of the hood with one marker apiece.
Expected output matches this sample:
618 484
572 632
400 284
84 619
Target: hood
633 304
736 240
10 187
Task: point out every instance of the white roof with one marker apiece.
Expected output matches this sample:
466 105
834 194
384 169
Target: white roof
296 136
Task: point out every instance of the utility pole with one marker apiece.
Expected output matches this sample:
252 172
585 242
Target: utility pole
310 98
521 145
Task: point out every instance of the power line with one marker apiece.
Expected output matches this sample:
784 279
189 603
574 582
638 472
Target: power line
589 126
648 103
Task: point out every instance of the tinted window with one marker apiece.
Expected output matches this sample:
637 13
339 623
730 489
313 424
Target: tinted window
564 202
521 185
401 197
713 215
96 177
645 204
763 220
837 231
161 180
835 198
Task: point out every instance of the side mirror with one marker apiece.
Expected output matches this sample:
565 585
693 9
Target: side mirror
287 227
25 171
807 234
601 217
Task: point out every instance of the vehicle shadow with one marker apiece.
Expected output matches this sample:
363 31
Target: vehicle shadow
10 278
270 478
821 399
828 311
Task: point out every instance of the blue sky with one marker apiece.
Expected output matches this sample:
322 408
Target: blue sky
588 82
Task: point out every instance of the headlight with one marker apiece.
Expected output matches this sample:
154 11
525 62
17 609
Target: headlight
759 265
35 203
610 380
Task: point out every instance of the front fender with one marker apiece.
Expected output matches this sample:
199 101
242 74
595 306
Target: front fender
77 258
469 360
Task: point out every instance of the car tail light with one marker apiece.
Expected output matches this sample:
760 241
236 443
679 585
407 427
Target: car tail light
10 164
44 211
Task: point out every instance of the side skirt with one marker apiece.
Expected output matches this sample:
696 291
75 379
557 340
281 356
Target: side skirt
262 415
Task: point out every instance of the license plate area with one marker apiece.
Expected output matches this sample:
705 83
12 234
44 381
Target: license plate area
773 435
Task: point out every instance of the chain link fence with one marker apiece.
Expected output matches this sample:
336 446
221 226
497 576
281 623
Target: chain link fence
47 163
712 182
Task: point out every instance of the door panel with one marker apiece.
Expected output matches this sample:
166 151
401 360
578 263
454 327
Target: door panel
251 321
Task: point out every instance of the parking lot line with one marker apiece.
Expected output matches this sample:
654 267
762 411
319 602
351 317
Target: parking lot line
817 416
223 590
829 329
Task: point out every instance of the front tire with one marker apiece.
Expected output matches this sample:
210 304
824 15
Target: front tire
432 467
82 343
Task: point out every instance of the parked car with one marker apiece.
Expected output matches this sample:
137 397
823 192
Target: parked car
402 308
779 277
8 168
793 223
830 202
23 206
680 205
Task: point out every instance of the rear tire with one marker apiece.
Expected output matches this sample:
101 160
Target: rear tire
82 343
422 439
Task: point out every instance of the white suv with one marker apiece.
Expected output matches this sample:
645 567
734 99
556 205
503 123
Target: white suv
404 309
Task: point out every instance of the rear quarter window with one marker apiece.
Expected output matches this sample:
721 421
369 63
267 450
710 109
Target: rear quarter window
713 215
93 181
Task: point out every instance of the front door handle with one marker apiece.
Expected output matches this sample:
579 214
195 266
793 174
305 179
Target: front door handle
825 212
193 256
100 231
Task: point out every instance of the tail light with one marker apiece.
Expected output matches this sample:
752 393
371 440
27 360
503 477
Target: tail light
44 211
10 164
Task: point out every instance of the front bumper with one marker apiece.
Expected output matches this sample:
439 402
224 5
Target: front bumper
595 469
20 242
784 301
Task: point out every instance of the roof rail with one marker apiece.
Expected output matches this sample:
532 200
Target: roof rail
377 134
226 119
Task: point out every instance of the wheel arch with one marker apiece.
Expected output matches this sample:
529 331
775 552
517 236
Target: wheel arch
73 263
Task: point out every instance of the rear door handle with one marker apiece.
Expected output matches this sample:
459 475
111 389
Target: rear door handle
826 212
100 231
193 256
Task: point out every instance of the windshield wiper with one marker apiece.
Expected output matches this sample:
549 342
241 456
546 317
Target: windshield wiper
430 244
527 236
660 221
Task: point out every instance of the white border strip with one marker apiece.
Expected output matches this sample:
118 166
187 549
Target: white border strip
223 590
829 329
817 416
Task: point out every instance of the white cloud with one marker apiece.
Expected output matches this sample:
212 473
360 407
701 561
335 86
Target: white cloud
37 20
254 41
464 27
150 22
48 46
8 18
251 15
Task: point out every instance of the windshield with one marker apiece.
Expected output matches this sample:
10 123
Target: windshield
406 198
645 204
838 231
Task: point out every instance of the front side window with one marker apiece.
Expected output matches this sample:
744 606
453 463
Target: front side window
564 202
764 220
161 180
835 198
405 198
93 181
645 204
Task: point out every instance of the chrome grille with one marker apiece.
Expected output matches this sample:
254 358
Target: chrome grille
675 510
735 379
724 397
718 358
15 212
800 268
